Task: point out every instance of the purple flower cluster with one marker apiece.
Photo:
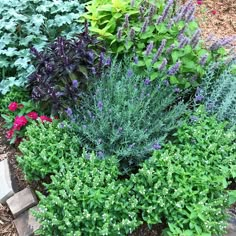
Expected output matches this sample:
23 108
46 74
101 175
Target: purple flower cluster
174 69
149 48
159 51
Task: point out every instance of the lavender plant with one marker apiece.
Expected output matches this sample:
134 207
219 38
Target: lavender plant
63 70
164 39
218 91
127 116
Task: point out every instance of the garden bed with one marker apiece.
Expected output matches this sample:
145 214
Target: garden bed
216 18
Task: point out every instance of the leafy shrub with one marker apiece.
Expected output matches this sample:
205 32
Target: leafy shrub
63 69
28 23
85 199
47 146
160 38
218 92
185 183
127 116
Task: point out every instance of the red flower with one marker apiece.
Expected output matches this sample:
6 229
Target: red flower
213 12
33 115
13 106
45 118
199 2
19 122
10 133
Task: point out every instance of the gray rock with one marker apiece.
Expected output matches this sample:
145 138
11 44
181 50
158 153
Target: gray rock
26 223
22 201
6 189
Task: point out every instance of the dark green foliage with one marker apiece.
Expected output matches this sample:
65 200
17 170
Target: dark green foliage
63 70
185 183
85 199
15 94
45 149
128 116
219 91
28 23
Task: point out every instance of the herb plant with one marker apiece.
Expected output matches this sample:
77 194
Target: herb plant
103 204
159 36
28 23
47 146
218 91
185 182
127 116
63 70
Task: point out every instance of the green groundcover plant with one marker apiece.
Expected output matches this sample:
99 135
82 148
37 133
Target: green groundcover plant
46 147
183 183
157 34
186 181
85 198
127 115
28 23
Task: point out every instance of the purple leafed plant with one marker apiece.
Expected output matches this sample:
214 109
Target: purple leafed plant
63 70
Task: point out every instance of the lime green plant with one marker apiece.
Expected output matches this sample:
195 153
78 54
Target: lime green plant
156 34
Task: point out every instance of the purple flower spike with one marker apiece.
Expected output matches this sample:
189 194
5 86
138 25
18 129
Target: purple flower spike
194 118
145 25
174 69
100 105
203 60
156 146
149 48
69 111
75 83
163 64
159 51
167 9
119 33
147 81
132 33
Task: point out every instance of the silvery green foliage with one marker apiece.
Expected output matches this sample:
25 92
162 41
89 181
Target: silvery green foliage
127 116
28 23
220 91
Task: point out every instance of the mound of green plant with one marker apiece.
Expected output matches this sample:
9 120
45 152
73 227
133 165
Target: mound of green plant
46 148
185 182
127 116
159 36
28 23
218 91
85 198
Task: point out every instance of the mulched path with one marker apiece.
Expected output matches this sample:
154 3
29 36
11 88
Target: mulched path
216 17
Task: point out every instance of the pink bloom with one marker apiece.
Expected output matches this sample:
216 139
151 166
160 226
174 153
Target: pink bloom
199 2
213 12
33 115
13 106
19 122
45 118
10 133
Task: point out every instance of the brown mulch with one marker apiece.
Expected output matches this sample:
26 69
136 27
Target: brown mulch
217 17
